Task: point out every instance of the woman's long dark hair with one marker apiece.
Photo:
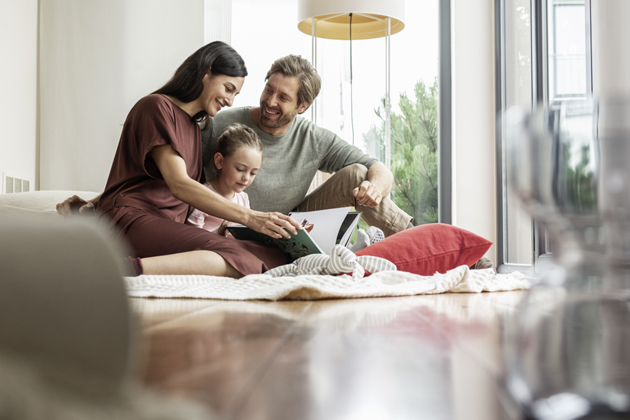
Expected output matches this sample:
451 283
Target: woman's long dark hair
187 82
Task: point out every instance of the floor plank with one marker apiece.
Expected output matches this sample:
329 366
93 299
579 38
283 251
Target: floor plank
212 354
433 357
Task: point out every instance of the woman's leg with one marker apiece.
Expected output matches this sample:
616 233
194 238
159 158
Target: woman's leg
192 262
167 247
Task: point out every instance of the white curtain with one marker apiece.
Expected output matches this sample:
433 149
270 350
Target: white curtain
218 25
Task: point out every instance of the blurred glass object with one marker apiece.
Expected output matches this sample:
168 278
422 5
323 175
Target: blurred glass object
555 173
568 354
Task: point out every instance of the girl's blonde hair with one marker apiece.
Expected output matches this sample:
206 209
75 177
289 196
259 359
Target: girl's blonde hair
233 138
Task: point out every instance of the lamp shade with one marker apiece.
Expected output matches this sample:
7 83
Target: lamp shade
369 18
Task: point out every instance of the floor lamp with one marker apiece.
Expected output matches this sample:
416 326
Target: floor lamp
354 20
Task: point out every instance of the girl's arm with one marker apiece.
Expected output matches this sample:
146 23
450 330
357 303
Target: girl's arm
173 170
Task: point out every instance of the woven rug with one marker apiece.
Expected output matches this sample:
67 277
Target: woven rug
317 286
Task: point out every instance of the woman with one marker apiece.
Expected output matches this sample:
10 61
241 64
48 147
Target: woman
156 172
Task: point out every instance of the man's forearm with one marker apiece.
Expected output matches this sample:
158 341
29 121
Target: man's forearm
381 177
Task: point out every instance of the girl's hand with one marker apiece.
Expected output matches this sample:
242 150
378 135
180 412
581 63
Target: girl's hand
273 224
222 229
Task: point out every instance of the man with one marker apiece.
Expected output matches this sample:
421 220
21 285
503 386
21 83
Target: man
294 149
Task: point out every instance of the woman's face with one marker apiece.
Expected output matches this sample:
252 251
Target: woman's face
219 91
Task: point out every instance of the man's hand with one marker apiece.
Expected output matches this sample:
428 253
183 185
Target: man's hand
367 194
74 205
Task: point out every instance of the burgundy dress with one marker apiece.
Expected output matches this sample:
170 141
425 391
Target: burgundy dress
139 203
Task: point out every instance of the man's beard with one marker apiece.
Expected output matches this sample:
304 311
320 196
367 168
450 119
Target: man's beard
283 119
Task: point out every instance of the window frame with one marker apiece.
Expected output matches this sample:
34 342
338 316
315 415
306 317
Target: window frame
541 253
445 180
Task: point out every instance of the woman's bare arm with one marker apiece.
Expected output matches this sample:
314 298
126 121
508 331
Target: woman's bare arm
173 170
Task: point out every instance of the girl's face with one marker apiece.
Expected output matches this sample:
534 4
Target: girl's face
219 91
238 170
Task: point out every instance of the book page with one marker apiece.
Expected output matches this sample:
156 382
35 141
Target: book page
322 225
348 227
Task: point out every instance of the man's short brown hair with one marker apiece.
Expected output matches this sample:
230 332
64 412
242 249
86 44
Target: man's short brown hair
296 66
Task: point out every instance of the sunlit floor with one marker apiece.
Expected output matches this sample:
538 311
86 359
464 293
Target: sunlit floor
421 357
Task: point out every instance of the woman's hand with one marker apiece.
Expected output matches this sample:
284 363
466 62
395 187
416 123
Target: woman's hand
76 204
272 224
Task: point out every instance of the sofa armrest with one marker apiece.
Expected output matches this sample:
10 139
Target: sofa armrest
37 204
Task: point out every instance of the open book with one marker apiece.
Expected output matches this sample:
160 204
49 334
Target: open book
321 231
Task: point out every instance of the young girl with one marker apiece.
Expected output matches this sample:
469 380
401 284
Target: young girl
236 162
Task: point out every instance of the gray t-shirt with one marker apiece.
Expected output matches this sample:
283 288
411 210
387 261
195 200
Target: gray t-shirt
290 161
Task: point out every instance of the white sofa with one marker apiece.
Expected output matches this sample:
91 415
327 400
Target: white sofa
37 204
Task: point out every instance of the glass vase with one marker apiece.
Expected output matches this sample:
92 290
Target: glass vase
567 355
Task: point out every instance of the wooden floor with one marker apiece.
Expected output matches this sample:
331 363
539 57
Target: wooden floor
421 357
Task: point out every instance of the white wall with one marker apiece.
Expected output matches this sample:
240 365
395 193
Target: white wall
18 73
97 58
473 124
611 46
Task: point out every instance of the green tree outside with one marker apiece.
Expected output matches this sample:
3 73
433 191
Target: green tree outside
414 145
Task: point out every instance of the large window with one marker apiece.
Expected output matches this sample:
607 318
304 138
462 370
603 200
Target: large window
351 103
566 49
542 57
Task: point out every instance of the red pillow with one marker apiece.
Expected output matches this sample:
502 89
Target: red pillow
431 248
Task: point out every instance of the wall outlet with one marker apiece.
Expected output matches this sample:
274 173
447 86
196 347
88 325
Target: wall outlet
14 184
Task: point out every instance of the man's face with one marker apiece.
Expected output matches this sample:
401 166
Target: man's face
278 102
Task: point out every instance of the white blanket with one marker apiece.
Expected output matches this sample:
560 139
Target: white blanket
317 286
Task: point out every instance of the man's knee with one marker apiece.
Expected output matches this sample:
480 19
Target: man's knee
355 173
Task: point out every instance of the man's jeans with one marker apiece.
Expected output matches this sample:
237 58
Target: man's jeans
337 192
